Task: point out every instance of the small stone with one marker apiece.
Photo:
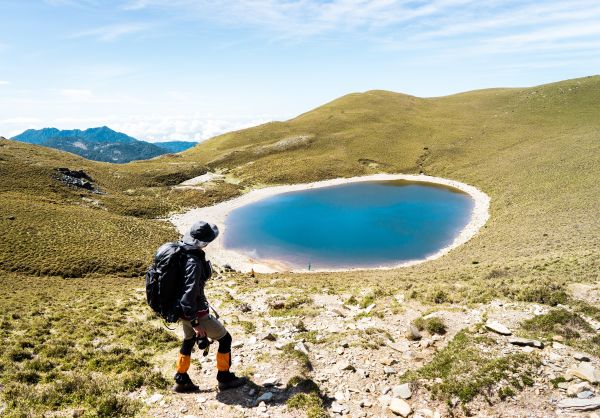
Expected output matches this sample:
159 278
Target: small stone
339 396
586 394
402 391
76 413
413 333
340 351
388 361
365 403
12 218
300 346
344 365
154 398
385 390
369 308
266 397
267 336
270 382
558 338
338 312
576 388
336 408
252 392
262 407
582 357
498 328
237 344
389 370
523 342
183 409
400 407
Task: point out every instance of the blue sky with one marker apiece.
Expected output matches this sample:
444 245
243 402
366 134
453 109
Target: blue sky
191 69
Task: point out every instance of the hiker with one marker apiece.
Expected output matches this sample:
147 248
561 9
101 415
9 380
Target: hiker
196 320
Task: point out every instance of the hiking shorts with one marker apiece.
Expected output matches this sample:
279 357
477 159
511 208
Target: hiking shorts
213 327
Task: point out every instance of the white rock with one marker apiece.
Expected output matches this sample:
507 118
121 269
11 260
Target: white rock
300 346
585 371
498 328
237 344
365 403
576 388
339 396
369 308
402 391
154 398
183 409
337 408
200 399
400 407
580 404
384 400
389 370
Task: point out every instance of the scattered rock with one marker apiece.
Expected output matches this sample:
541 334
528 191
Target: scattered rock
12 218
413 333
523 342
388 361
400 407
300 346
498 328
584 371
580 404
581 357
576 388
183 409
369 308
365 403
389 370
336 408
265 397
585 394
76 178
154 398
237 344
558 338
267 336
270 382
345 365
402 391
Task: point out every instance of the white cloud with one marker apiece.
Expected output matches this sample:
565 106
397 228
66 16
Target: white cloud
76 95
111 33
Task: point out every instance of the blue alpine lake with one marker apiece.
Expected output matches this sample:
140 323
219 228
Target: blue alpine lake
362 224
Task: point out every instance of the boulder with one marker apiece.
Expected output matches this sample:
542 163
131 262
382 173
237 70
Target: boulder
524 342
584 371
400 407
580 404
402 391
265 397
498 328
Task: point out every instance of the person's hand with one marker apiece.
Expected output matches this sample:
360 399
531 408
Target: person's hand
200 332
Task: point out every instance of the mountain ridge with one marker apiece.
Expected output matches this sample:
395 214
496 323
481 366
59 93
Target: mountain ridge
100 144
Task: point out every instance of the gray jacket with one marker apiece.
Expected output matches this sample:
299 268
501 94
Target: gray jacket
196 272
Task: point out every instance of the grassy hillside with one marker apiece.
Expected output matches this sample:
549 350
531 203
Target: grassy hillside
535 151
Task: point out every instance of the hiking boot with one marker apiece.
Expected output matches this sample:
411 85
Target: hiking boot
183 384
228 380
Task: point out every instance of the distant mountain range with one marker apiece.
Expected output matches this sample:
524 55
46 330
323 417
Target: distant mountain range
101 144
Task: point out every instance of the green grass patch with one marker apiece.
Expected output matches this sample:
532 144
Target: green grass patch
467 368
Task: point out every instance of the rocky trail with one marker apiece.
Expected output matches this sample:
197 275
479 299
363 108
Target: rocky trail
355 359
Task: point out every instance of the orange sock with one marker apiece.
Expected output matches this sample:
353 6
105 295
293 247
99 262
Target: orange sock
223 361
183 363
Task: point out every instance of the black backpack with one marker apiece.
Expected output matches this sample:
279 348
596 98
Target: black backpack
164 281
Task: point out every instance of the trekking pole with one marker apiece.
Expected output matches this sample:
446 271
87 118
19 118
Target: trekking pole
214 311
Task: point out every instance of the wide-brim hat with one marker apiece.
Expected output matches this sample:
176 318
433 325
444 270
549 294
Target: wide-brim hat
200 234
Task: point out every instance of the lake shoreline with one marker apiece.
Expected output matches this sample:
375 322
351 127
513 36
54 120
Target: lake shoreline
218 214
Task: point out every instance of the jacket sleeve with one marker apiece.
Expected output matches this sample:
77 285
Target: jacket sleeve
193 299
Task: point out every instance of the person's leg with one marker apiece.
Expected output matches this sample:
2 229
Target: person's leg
217 332
183 383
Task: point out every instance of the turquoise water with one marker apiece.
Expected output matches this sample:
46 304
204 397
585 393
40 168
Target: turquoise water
364 224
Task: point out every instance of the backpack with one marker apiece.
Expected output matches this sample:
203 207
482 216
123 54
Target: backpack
164 281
